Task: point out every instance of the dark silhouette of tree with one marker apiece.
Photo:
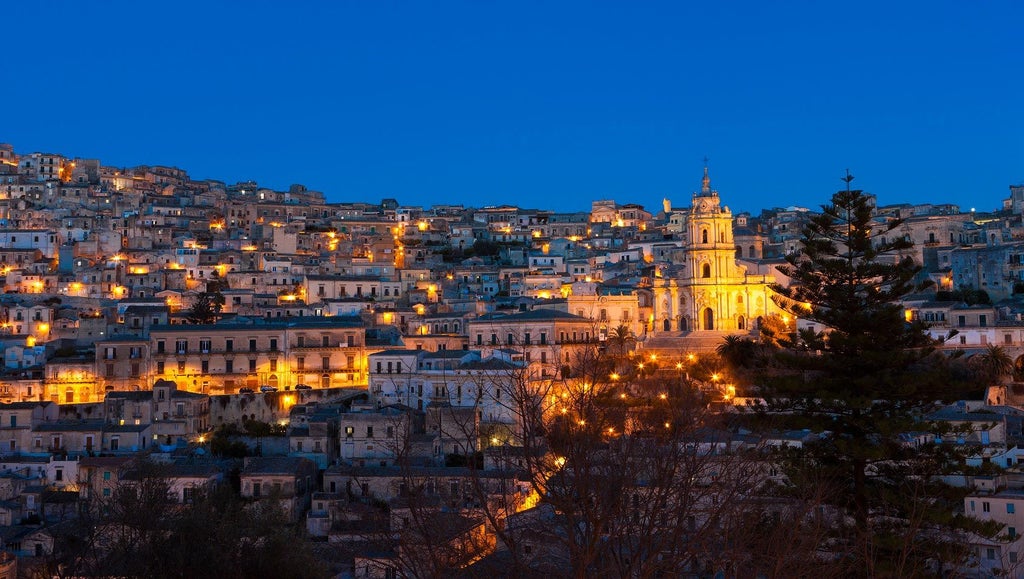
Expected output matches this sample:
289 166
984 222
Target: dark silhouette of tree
621 340
139 532
737 351
994 364
862 382
216 284
207 307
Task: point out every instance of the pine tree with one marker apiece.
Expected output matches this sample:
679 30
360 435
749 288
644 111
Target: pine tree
864 380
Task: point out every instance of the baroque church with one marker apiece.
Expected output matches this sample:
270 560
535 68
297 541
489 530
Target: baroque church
709 293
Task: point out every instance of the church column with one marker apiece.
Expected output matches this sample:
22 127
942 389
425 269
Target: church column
673 310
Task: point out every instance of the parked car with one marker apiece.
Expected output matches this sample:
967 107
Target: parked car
245 390
303 387
266 388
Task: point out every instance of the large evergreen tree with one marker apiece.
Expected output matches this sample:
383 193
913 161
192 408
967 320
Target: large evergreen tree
864 381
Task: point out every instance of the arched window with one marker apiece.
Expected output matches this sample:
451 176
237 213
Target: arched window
739 251
739 298
704 235
741 323
751 253
705 270
668 324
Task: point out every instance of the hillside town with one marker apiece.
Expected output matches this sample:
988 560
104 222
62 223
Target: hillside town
404 383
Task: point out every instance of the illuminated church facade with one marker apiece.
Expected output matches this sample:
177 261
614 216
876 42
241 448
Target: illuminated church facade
709 291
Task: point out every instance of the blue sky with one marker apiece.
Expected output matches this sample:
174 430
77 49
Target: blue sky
543 104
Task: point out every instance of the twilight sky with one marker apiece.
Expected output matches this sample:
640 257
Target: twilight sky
542 104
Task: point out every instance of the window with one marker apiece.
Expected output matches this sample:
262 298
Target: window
181 346
349 431
326 341
326 363
369 432
160 368
229 345
252 344
1010 508
229 366
300 363
106 473
705 270
990 553
181 367
985 507
204 346
252 365
273 344
205 367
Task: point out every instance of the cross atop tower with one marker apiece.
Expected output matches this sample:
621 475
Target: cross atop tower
705 188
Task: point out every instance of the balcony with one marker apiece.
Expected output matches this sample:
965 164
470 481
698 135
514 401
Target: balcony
322 348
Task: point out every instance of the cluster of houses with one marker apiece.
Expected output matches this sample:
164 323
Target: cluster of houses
374 331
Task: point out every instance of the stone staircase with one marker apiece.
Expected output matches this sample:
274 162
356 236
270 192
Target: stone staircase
675 344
